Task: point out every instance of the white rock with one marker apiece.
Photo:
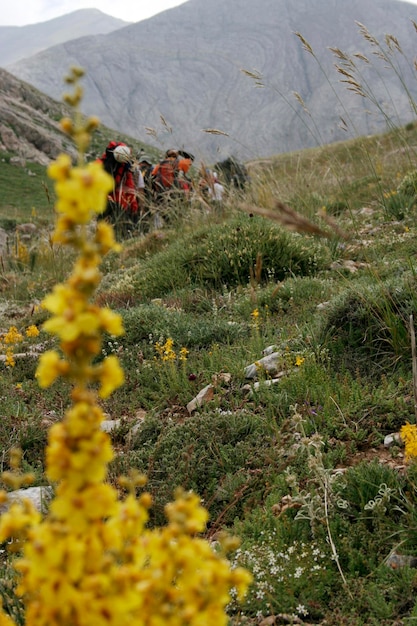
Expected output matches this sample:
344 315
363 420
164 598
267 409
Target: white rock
108 425
268 363
269 350
393 438
39 496
205 395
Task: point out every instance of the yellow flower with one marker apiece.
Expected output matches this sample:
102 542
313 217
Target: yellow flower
111 376
32 331
186 512
10 361
409 435
91 559
299 360
105 238
111 322
50 367
60 168
12 335
166 351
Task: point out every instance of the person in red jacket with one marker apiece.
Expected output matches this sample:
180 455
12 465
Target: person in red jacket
122 202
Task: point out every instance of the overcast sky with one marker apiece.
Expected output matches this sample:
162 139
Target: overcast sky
22 12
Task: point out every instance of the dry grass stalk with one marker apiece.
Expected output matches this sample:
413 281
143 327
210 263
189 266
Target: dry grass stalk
366 34
343 124
299 99
150 131
290 219
330 221
393 43
165 124
305 43
362 57
338 52
255 75
214 131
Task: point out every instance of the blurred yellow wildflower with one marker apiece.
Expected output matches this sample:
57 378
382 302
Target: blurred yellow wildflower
166 350
408 434
32 331
183 354
91 560
12 335
255 318
10 361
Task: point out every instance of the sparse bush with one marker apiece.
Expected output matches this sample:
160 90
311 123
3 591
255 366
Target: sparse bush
227 457
224 255
369 325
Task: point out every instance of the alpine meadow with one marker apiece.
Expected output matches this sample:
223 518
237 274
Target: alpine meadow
212 419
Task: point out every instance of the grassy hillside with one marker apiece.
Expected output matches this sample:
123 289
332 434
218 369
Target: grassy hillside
294 460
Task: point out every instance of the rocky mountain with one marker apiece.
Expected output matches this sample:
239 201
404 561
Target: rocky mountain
30 128
19 42
29 122
223 77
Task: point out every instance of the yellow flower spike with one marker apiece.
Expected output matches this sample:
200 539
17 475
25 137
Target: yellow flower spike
187 512
111 322
61 168
16 455
105 238
71 328
111 376
91 559
183 354
50 367
10 361
13 336
32 331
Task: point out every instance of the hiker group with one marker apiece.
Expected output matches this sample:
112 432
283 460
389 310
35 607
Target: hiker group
145 194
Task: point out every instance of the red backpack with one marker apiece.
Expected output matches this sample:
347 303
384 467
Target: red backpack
166 175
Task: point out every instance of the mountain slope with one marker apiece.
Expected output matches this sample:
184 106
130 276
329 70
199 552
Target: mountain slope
183 67
19 42
30 128
29 122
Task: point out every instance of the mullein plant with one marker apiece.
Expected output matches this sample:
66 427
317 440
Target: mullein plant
92 560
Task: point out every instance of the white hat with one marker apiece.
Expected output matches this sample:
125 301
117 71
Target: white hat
122 154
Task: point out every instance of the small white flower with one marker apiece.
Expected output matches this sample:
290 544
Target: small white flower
301 609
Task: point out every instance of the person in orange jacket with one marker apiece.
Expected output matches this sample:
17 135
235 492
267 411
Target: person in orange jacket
171 173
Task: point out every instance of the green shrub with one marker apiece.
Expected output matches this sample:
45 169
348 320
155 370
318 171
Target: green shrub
147 324
223 256
228 458
367 327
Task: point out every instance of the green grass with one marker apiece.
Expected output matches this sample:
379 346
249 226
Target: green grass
24 196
